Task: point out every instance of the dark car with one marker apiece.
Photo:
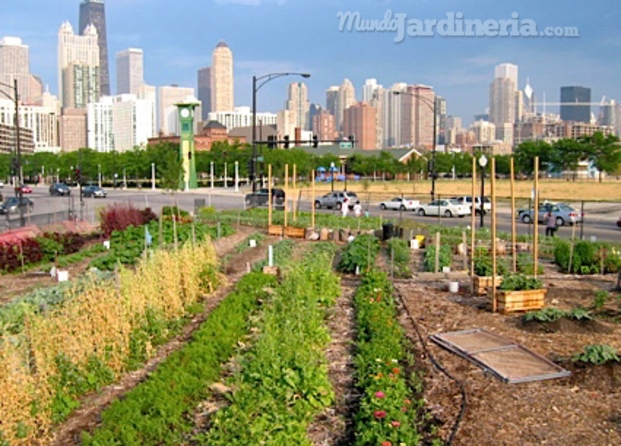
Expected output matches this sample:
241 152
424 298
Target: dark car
59 189
93 191
12 205
619 222
260 198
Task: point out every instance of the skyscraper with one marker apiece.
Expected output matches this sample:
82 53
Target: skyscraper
15 65
297 103
502 97
167 113
576 113
417 107
368 90
129 71
94 12
222 93
204 90
347 98
324 126
332 99
391 115
78 67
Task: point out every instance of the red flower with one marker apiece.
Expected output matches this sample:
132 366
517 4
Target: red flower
395 423
386 443
396 370
379 414
380 395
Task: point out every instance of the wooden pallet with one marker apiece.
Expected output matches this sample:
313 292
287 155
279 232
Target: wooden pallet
483 283
293 232
275 230
514 301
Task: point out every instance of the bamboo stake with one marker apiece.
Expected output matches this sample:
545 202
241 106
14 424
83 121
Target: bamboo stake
175 232
571 250
536 220
437 264
464 254
293 201
313 199
286 191
494 265
473 223
269 194
513 224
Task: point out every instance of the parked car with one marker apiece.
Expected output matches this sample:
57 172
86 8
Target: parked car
60 189
260 198
467 199
94 191
12 205
25 189
336 199
445 208
562 213
400 204
1 184
619 222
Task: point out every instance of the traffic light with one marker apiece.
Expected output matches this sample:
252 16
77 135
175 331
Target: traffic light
315 141
286 138
271 142
77 175
352 140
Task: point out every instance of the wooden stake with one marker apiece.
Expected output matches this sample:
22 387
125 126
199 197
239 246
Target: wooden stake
437 264
494 265
473 222
269 194
536 220
513 222
293 201
175 232
571 249
286 191
465 250
313 199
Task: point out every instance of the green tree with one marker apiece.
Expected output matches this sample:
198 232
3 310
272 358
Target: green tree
604 152
170 166
526 152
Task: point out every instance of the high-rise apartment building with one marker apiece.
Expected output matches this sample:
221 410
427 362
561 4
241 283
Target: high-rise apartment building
297 103
242 117
360 122
368 90
132 122
222 92
502 97
78 67
15 65
99 124
324 126
485 131
441 129
129 71
204 91
418 103
94 12
576 95
346 98
167 113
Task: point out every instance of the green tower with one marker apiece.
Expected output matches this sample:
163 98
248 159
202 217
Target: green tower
186 144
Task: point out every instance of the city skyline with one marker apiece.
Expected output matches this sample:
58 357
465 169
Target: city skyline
459 69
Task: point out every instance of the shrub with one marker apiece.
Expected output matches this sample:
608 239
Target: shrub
359 253
597 355
520 282
174 211
444 258
483 264
118 217
600 299
11 255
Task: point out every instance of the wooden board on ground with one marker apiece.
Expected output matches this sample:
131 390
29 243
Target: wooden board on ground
501 357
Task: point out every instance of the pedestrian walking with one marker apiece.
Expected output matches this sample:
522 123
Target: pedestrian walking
345 208
357 210
551 227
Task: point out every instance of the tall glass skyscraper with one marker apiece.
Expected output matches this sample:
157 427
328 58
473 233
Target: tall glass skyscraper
576 113
94 11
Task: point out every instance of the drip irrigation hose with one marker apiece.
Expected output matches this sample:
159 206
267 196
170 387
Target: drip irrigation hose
437 365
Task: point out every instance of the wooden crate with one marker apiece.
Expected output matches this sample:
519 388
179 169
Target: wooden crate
275 230
512 301
482 283
293 232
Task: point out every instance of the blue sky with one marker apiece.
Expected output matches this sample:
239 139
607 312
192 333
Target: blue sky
267 36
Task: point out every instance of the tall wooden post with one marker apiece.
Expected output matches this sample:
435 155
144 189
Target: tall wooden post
269 194
473 222
313 199
536 220
286 192
494 265
513 223
293 200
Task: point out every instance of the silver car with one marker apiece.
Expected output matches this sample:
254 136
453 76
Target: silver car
336 199
561 212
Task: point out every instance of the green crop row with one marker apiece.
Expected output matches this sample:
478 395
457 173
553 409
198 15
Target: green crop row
360 254
283 383
389 412
156 412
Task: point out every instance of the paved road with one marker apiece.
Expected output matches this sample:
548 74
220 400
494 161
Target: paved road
599 224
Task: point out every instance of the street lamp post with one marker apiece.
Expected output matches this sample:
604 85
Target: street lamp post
433 106
18 149
256 85
482 163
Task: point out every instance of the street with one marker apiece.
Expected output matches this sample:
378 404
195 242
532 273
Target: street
601 225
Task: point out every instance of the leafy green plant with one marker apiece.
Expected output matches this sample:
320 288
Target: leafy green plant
545 315
601 297
520 282
398 253
579 314
597 355
445 258
360 253
483 264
